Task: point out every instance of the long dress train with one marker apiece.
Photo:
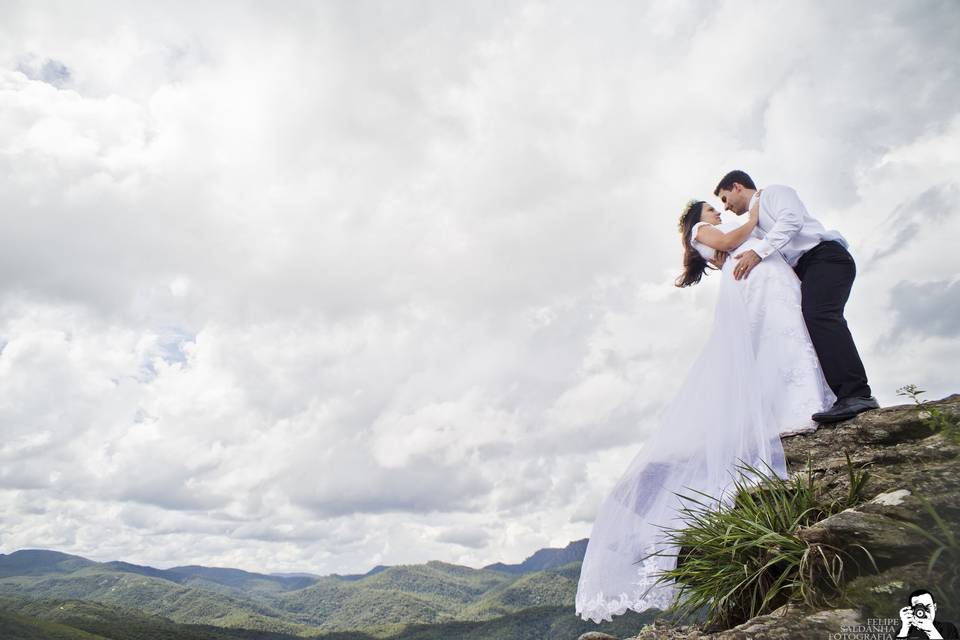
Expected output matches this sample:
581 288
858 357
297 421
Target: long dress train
757 376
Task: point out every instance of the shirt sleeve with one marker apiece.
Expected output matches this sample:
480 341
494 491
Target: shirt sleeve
784 206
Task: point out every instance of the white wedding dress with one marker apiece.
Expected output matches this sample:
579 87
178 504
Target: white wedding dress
757 376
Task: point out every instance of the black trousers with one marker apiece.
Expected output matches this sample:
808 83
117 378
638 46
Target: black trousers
826 275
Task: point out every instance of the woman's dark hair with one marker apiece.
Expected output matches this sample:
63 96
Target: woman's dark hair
735 176
694 264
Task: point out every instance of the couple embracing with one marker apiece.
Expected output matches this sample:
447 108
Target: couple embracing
779 359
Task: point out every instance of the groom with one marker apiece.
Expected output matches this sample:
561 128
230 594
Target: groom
826 271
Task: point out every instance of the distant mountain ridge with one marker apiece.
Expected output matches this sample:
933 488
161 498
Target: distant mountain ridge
423 601
38 561
545 559
41 560
356 576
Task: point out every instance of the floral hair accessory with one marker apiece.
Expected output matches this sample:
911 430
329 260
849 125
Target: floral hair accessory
686 210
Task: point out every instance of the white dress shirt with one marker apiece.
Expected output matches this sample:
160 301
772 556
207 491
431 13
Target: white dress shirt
787 227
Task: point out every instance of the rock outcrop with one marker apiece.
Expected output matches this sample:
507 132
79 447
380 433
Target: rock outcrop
913 485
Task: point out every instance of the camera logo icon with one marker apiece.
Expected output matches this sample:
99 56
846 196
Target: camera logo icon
918 618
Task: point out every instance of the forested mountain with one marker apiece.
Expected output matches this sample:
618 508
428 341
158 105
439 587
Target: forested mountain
47 594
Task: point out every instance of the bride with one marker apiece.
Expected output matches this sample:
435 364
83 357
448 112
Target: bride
757 378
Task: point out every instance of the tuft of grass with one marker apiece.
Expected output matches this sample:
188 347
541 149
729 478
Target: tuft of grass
857 482
745 560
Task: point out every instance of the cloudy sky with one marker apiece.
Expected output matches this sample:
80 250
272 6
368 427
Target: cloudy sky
317 286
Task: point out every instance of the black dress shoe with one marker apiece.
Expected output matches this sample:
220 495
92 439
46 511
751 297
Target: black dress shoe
846 408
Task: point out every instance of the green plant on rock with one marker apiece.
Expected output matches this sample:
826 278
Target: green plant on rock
945 558
744 558
934 418
857 482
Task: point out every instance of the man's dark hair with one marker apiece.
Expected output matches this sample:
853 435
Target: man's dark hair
917 594
734 176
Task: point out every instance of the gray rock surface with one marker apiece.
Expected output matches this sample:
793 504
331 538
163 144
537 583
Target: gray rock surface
783 624
596 635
